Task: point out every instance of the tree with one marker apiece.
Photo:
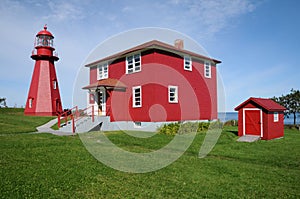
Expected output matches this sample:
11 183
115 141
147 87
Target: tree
2 102
291 102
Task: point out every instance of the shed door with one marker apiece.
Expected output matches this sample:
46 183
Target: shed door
252 122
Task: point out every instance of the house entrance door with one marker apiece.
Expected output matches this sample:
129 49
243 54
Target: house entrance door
253 122
102 102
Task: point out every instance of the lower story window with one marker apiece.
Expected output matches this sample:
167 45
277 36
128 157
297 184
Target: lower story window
30 102
137 96
173 94
137 124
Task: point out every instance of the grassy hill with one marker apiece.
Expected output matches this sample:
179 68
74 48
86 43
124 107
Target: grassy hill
12 120
48 166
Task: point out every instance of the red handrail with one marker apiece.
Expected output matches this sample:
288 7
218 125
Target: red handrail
65 115
74 116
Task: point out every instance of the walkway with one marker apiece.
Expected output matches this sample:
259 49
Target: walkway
46 128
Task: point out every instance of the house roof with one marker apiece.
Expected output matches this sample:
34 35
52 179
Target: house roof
267 104
153 44
106 83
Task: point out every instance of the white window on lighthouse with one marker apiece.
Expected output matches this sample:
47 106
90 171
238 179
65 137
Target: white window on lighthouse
30 102
54 84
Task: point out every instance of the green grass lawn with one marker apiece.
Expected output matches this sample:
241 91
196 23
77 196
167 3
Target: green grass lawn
49 166
12 121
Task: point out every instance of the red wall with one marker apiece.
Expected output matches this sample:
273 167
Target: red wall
197 95
273 129
41 90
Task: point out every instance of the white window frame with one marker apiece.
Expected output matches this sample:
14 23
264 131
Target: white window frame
102 71
187 63
175 94
207 69
137 125
136 65
30 102
138 98
54 84
275 117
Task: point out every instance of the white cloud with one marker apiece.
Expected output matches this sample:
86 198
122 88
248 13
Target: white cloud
64 10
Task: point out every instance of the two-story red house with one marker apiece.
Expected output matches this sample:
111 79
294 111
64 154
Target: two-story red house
154 82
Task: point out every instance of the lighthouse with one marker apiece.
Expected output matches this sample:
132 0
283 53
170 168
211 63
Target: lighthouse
43 96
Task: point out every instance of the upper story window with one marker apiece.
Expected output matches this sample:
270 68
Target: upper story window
173 94
275 117
102 71
137 96
133 63
187 63
207 69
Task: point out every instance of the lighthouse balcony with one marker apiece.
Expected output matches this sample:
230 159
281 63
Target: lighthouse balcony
38 54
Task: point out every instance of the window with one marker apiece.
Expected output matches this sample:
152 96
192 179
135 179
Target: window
173 94
207 69
30 102
137 96
137 124
54 84
103 71
275 117
133 63
187 63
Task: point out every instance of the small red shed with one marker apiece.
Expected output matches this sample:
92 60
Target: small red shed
262 117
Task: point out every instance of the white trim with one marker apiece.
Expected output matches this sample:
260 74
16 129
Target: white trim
261 119
134 98
275 117
189 66
103 75
207 69
103 105
30 103
175 94
134 68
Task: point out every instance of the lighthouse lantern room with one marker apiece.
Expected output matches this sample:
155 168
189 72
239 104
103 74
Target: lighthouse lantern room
43 96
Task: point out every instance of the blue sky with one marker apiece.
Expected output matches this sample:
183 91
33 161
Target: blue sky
257 41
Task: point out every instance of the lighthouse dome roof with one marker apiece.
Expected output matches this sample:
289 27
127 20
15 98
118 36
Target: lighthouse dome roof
45 32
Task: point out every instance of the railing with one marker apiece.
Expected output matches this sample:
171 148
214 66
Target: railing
66 116
86 112
74 115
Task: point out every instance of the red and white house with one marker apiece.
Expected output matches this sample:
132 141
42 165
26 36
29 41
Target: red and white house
154 82
261 117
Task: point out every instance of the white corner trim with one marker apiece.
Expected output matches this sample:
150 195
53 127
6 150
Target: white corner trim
261 120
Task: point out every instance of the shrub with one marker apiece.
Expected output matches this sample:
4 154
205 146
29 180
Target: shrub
231 123
188 127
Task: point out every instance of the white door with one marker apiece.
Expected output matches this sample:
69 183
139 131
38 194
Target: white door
102 102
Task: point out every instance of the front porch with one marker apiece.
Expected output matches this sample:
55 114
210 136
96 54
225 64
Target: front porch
99 95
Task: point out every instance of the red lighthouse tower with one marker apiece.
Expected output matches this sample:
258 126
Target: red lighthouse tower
43 97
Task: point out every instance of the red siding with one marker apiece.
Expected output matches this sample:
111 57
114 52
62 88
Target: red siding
271 129
197 95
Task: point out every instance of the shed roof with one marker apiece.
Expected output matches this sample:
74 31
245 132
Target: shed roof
149 45
267 104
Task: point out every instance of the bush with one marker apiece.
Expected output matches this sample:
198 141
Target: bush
231 123
188 127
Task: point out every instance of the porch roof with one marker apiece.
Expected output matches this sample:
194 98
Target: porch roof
108 83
